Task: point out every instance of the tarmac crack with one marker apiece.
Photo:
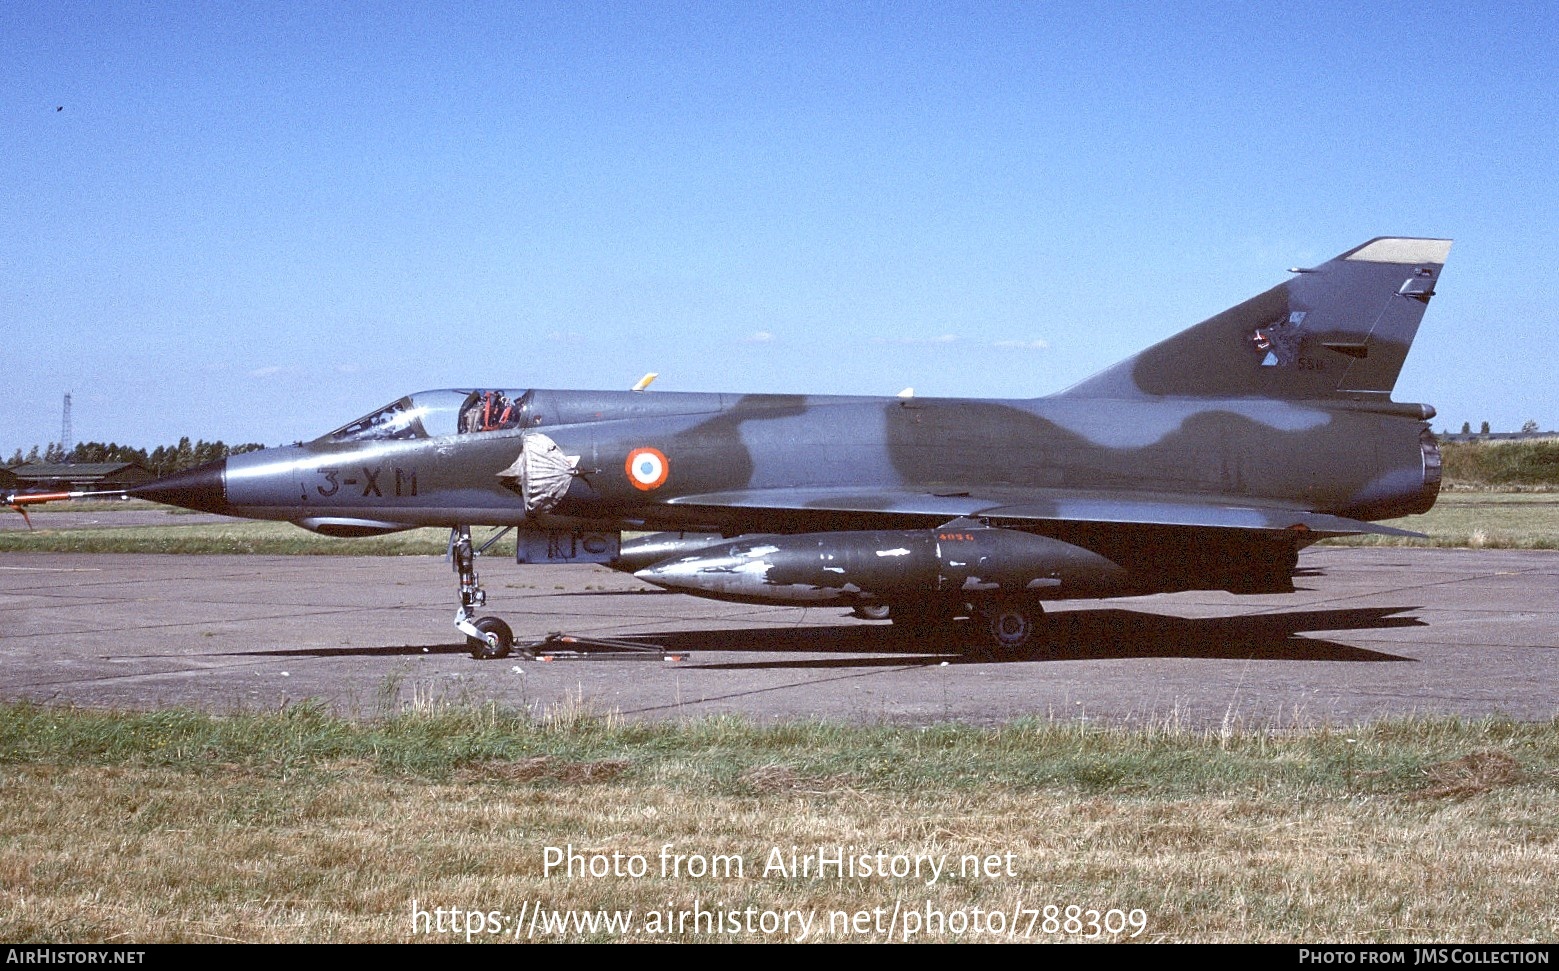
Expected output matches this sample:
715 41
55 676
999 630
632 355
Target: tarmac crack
813 682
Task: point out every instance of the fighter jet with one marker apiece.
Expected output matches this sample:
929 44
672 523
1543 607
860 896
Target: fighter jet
1206 462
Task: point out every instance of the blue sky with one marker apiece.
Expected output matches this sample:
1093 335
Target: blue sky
255 222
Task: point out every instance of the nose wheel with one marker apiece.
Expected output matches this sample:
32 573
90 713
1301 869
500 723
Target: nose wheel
496 639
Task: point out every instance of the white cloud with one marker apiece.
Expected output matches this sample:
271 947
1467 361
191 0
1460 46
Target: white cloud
760 337
265 372
1034 345
912 341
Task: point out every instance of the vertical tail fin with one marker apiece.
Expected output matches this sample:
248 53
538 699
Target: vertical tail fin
1338 330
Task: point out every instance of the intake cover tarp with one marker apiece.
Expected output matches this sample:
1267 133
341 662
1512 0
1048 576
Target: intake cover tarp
542 472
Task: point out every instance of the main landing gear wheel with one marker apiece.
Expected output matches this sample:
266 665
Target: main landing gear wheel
871 611
497 639
1013 628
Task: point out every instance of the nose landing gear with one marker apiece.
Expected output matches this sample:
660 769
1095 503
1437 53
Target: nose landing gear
488 637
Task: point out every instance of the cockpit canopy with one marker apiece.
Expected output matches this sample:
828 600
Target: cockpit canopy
432 414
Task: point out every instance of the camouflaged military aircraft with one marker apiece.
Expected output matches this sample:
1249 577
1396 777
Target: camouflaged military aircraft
1206 462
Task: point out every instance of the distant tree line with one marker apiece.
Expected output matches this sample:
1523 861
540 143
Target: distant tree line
161 460
1528 427
1501 463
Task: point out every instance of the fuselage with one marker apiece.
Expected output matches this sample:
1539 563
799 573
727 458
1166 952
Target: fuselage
1362 461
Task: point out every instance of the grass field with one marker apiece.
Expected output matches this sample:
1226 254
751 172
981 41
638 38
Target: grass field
235 536
1488 520
289 826
1494 520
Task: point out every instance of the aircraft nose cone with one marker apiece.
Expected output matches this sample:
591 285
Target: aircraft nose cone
203 487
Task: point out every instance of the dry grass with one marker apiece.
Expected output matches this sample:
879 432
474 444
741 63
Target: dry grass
1469 775
210 859
322 831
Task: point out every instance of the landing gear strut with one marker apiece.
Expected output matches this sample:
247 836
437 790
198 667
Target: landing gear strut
488 637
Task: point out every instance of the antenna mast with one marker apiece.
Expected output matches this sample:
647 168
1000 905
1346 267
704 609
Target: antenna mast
65 443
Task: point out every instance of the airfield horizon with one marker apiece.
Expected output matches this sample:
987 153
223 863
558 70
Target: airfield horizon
1479 517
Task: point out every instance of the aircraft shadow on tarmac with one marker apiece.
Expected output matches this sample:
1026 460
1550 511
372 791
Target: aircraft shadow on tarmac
396 650
1076 635
1073 635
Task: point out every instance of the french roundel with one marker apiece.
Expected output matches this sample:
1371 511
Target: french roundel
647 468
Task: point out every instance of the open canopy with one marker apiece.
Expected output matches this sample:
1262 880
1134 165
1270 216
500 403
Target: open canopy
432 414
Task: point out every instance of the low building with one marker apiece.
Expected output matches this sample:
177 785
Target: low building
79 476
